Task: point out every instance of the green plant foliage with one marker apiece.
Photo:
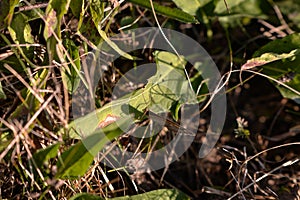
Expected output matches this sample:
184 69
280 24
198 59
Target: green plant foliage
86 125
77 8
167 87
75 161
238 10
96 9
70 75
32 111
191 6
5 139
167 11
7 12
42 155
162 194
20 30
97 13
268 58
86 196
54 14
286 66
229 12
4 5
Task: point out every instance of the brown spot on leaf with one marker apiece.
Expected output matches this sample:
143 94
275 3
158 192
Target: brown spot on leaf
108 120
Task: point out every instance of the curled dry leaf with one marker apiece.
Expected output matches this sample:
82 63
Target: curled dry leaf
253 63
268 58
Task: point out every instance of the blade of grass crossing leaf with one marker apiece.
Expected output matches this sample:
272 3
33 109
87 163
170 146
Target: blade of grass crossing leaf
114 46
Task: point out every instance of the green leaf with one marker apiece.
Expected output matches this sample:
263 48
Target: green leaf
5 139
238 10
190 6
77 8
20 30
170 74
43 155
69 74
230 13
76 160
7 12
167 11
166 88
4 5
280 59
86 125
239 7
161 194
85 196
231 4
60 6
2 94
96 8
